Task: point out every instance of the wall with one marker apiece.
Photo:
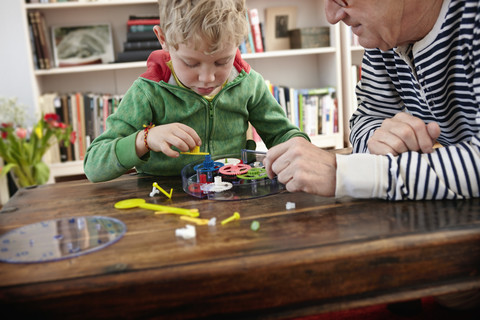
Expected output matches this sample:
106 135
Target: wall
16 78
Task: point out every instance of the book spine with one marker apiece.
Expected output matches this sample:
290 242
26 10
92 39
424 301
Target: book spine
140 28
250 45
141 45
135 55
256 32
80 126
36 36
47 42
43 40
141 36
143 22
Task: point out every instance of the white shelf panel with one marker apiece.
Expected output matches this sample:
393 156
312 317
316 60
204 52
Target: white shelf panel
327 141
288 53
92 68
65 169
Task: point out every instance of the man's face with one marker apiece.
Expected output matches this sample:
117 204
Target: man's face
377 23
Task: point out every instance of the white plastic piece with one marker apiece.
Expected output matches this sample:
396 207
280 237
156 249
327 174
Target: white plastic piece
229 161
188 232
217 186
154 192
212 221
290 205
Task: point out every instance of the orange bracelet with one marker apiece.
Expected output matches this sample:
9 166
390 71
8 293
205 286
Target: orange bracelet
145 135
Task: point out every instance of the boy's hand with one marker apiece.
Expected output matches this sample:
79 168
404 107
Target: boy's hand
402 133
163 137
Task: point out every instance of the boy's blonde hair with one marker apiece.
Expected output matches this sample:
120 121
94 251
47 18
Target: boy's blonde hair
214 23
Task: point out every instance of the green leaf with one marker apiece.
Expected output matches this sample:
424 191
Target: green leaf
6 169
42 173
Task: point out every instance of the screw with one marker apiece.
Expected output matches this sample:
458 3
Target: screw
235 216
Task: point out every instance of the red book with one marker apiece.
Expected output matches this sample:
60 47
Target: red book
143 21
256 31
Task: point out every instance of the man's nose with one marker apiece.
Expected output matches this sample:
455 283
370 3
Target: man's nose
334 11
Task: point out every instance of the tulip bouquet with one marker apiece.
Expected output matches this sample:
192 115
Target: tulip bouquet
22 148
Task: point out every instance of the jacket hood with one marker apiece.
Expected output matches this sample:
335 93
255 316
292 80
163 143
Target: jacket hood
157 69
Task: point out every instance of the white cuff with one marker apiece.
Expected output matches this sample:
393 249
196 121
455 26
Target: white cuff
362 175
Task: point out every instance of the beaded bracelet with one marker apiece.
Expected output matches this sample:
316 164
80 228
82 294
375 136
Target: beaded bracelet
145 135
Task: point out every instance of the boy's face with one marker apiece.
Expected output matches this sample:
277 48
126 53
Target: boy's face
203 73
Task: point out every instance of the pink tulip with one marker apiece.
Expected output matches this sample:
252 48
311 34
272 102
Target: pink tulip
21 133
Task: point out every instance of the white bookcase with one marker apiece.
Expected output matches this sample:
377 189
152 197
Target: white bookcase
352 56
298 68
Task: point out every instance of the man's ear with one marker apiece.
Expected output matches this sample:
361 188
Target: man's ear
160 37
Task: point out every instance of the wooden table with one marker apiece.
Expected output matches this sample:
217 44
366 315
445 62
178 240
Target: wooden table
326 254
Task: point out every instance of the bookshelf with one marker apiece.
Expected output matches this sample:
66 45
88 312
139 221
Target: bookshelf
352 55
299 68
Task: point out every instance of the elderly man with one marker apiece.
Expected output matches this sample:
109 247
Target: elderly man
420 85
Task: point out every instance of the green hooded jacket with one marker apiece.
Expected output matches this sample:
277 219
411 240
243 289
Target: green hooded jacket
221 123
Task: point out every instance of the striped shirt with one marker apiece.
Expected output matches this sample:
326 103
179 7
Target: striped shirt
435 79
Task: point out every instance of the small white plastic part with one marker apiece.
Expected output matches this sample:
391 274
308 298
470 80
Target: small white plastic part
154 192
188 232
290 205
212 221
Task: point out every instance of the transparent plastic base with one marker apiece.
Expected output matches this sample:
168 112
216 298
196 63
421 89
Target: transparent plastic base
228 177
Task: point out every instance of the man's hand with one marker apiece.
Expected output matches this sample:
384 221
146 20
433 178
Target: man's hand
302 166
402 133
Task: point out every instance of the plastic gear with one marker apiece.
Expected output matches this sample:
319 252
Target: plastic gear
234 169
208 165
214 187
254 174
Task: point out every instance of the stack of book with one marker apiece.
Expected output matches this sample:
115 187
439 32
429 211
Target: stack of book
40 41
255 40
314 111
87 114
141 40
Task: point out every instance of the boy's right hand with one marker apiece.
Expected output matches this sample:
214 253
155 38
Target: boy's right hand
163 137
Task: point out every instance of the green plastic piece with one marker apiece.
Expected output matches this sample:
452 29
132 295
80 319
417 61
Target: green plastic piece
255 225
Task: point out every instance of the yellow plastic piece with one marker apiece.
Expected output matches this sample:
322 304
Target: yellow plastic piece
169 195
235 216
195 151
200 222
140 203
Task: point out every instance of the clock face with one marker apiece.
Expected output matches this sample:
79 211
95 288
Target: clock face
59 239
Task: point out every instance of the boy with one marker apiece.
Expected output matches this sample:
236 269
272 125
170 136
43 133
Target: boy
197 91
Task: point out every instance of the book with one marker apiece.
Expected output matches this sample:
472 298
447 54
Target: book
80 125
133 17
45 40
256 31
133 55
36 39
44 44
32 45
140 27
141 45
152 22
249 42
141 36
65 117
310 114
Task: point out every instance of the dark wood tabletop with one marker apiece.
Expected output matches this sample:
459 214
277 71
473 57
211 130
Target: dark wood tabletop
326 254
